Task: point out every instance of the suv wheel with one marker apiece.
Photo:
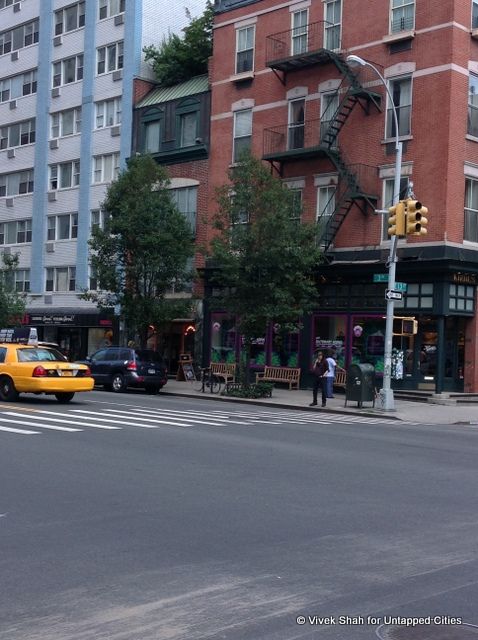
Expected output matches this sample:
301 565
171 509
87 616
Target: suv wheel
117 383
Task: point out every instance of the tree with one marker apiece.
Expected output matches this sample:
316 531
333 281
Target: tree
143 250
12 303
179 58
265 259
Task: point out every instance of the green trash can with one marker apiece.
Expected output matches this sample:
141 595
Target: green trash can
360 384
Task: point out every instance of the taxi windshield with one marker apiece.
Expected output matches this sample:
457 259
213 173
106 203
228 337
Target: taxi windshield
35 354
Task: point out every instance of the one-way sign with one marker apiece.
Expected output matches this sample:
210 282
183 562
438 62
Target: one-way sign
391 294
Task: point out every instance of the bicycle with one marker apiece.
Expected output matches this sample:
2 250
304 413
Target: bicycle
207 382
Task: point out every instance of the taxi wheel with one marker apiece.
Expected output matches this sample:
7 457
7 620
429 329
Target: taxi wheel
117 383
8 393
64 397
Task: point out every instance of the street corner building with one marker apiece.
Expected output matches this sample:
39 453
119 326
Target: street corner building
283 85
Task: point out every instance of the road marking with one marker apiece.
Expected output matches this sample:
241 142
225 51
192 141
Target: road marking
133 424
23 432
35 424
191 420
81 424
193 415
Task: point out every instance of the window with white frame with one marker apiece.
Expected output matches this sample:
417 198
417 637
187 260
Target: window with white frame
67 71
333 21
92 278
242 133
472 127
402 16
109 58
471 210
16 232
388 186
22 280
474 14
185 199
99 219
245 49
401 90
8 3
65 123
17 86
296 124
60 279
297 197
70 18
108 8
17 134
64 175
299 31
19 37
152 136
62 227
105 168
329 104
17 183
188 129
108 113
325 203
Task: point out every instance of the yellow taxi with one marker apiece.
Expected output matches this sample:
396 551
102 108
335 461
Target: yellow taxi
28 367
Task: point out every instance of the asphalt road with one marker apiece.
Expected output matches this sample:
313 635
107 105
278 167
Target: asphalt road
229 521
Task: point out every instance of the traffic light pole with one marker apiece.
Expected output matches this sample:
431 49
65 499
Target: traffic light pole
388 401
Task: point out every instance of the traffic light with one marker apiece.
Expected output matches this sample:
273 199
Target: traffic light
415 216
396 222
404 326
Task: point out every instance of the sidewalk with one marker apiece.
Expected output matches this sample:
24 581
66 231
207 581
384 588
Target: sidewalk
422 412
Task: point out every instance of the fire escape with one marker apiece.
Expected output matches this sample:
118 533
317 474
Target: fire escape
317 44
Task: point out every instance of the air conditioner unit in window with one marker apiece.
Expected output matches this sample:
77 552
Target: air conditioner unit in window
17 7
10 153
14 56
48 299
57 41
52 196
13 104
50 247
54 144
9 202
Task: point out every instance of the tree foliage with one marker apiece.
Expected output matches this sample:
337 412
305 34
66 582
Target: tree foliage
12 303
143 250
180 58
264 258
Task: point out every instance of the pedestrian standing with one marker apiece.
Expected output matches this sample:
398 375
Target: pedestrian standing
330 375
320 369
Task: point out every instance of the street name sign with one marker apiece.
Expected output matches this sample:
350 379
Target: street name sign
391 294
401 286
380 277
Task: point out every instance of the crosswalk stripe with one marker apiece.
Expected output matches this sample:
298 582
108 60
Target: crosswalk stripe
135 424
30 423
69 421
23 432
222 418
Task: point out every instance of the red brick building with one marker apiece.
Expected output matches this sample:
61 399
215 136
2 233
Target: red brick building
282 86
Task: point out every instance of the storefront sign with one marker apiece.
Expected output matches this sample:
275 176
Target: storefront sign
52 319
465 278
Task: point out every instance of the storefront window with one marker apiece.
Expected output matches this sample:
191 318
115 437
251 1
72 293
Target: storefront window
258 352
368 341
285 348
223 339
329 335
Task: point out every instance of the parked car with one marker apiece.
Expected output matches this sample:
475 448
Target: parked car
117 368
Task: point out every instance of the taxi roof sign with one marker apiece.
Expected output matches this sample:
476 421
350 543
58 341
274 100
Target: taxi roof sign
19 335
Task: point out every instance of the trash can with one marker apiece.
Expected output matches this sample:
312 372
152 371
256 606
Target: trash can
360 384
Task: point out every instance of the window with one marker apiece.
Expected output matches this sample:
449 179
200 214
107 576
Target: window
417 296
333 19
473 105
109 58
388 200
403 15
65 123
98 219
245 49
16 232
106 168
299 32
401 90
471 210
185 199
20 37
474 15
93 279
462 297
7 3
60 279
108 8
17 86
22 280
67 71
14 184
70 18
296 124
242 132
152 137
64 175
325 203
18 134
296 204
108 113
188 124
329 104
62 227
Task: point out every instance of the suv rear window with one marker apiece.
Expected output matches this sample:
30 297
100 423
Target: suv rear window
146 355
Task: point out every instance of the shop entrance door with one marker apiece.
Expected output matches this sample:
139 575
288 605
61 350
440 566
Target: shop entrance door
427 357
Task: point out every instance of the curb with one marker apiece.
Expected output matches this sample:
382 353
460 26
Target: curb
279 405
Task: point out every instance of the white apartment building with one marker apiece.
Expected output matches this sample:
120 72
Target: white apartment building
66 93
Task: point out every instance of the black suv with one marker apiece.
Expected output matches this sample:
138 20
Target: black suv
117 368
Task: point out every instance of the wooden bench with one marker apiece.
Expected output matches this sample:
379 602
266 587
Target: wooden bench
280 374
224 370
340 378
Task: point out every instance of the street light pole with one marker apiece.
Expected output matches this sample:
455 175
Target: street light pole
386 392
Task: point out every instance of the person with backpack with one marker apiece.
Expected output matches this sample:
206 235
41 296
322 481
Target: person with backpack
320 369
330 375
